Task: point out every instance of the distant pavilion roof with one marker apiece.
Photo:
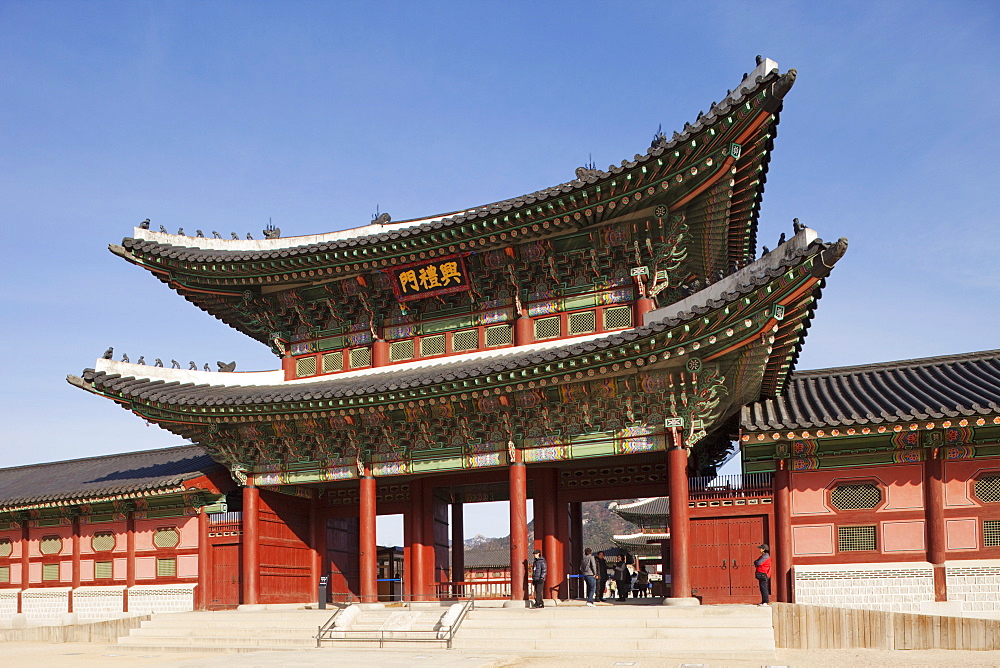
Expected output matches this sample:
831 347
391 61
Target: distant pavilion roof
948 387
124 475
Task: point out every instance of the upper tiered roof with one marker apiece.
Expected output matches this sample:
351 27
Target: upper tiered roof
930 388
713 172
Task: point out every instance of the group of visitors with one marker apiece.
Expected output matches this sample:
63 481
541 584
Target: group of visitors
628 576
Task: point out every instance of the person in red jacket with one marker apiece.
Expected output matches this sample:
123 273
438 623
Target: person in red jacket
763 574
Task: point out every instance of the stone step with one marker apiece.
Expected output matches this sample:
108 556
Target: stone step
181 623
662 633
231 632
610 642
259 642
633 611
558 622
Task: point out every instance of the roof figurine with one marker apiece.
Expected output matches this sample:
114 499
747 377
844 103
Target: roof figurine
108 353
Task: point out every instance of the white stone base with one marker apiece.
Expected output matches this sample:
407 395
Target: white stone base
681 602
894 587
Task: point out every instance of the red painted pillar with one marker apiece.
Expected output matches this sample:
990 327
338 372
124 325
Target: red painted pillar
204 548
25 559
251 545
380 352
524 331
288 366
368 550
782 533
643 305
428 547
563 558
518 527
550 542
680 564
130 555
457 547
934 524
76 562
418 581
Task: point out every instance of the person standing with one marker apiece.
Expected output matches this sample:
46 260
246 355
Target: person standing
588 569
763 574
602 575
641 582
539 569
623 579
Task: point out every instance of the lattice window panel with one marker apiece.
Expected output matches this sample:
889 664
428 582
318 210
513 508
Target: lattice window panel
988 489
991 533
855 497
333 362
432 345
166 568
465 340
6 547
103 570
499 335
547 328
360 357
166 537
102 542
5 574
856 539
582 322
50 545
401 350
618 317
305 366
50 571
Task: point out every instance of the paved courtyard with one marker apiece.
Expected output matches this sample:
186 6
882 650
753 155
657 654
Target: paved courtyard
85 655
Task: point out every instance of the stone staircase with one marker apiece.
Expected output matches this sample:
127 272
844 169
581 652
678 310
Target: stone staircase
228 630
710 632
282 629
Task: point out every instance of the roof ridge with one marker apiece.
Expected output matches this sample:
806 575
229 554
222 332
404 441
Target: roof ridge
108 456
915 362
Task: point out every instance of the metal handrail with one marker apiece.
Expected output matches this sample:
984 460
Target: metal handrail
327 626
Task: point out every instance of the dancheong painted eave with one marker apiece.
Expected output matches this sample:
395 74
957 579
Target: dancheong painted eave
933 392
793 272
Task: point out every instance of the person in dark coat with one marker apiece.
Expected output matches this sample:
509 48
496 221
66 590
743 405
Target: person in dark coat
763 574
539 569
602 575
641 583
623 579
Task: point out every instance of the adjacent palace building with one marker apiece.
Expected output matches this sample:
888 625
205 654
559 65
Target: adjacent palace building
608 337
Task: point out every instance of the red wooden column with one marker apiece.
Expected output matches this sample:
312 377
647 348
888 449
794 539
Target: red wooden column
680 525
380 352
251 543
457 547
25 560
562 560
368 550
76 561
428 546
204 550
643 305
130 555
551 547
934 522
416 566
518 526
782 533
524 331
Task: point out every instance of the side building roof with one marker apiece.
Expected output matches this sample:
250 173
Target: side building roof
951 386
95 478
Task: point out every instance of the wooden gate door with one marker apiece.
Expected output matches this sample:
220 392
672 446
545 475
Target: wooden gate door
342 556
722 553
225 576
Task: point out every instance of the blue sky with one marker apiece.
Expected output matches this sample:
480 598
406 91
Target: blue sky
221 115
